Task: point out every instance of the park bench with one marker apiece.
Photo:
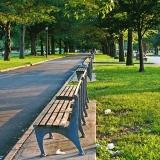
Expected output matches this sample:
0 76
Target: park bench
89 66
69 90
63 116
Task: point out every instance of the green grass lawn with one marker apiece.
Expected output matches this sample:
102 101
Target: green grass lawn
133 125
29 60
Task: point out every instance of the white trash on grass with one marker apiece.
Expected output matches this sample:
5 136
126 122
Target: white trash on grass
113 153
59 152
107 111
96 145
110 145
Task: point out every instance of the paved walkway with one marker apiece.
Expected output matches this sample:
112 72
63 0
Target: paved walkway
24 92
29 149
154 59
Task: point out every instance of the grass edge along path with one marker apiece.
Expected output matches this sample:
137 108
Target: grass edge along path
128 111
29 60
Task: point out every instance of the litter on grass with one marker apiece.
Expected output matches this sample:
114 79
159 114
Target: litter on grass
110 145
113 153
107 111
59 152
96 145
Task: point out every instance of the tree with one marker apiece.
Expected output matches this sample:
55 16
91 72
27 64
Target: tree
129 60
142 16
121 48
9 15
23 12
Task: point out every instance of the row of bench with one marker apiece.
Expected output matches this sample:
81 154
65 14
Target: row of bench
66 114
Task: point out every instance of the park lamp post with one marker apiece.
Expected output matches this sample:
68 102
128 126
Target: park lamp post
46 28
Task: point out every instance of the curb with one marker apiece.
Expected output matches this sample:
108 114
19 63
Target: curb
28 65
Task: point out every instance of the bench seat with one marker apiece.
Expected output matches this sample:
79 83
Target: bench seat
56 115
67 93
59 116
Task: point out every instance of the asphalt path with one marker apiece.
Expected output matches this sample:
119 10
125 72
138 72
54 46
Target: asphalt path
26 91
154 59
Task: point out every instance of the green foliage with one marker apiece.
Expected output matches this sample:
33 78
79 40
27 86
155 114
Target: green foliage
133 98
157 40
27 11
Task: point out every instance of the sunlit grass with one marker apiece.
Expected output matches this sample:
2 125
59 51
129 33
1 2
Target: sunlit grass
134 99
28 60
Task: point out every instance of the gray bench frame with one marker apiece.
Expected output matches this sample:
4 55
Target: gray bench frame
68 92
71 130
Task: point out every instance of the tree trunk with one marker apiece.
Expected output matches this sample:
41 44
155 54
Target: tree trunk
65 47
113 49
129 60
141 69
33 38
156 50
7 43
110 49
71 47
52 45
60 46
22 38
49 46
103 49
144 48
121 48
42 45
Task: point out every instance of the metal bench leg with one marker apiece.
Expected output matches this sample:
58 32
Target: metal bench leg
86 105
39 136
81 128
81 107
77 144
50 135
85 92
84 102
74 137
74 126
83 119
84 110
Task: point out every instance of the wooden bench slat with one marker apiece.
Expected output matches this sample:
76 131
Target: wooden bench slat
50 111
43 122
58 107
64 119
73 91
51 120
66 108
68 91
62 106
64 91
43 113
58 119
